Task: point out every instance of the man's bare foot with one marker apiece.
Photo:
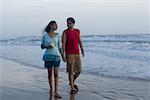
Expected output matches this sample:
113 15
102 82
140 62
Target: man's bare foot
76 87
73 91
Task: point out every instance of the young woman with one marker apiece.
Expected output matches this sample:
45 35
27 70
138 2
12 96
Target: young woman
51 42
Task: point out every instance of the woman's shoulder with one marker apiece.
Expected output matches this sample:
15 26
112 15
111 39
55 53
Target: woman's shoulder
45 34
56 33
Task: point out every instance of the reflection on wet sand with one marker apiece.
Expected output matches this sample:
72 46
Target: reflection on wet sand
72 97
50 97
55 98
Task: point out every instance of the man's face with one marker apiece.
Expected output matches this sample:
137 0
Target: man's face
70 24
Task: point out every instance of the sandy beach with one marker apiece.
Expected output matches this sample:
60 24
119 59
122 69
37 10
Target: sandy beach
20 82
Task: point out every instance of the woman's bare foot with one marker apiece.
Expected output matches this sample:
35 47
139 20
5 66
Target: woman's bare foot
57 95
51 92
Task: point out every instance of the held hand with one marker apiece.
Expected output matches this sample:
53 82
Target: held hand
64 59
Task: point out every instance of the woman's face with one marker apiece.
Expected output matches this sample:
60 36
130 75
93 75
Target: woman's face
53 26
70 24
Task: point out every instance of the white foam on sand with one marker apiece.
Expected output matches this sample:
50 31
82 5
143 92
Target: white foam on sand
19 82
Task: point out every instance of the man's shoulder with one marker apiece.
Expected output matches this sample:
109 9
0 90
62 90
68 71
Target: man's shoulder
77 30
65 30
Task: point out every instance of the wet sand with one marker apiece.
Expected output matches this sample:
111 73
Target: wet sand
20 82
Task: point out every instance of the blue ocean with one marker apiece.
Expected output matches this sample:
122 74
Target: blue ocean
117 56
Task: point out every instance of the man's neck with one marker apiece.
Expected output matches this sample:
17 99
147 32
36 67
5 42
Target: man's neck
71 28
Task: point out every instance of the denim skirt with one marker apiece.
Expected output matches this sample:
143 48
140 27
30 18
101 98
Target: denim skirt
51 61
49 64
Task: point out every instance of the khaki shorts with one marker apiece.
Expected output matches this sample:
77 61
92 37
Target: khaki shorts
73 63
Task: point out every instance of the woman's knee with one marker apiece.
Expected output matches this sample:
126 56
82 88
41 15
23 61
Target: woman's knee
56 72
49 72
56 75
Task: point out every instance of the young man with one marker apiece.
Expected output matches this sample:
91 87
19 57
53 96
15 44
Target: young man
71 41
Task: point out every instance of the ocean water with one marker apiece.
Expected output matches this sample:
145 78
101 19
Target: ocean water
117 56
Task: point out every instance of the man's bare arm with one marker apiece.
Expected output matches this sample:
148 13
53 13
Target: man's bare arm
81 46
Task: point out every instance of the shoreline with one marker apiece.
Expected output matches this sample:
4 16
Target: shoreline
21 82
104 76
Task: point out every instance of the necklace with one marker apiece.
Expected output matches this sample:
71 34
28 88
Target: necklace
52 39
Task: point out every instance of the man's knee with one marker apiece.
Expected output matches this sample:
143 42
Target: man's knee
77 73
71 73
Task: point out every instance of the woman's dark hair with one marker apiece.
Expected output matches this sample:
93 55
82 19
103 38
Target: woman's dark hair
71 19
47 29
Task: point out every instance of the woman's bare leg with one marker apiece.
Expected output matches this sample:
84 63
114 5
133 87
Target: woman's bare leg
50 79
56 72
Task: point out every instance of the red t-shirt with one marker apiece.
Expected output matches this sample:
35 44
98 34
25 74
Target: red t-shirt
72 41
